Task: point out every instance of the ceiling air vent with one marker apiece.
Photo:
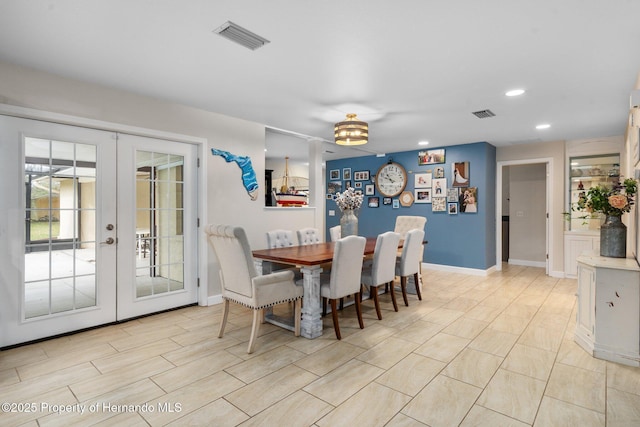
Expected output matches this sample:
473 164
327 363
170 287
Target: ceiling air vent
483 114
240 35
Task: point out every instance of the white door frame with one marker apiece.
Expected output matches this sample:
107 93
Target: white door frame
202 143
548 161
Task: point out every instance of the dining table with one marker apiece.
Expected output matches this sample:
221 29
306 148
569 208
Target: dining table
310 260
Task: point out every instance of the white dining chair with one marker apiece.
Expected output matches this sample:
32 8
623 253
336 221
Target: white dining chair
308 236
335 233
409 264
344 279
280 239
381 270
242 284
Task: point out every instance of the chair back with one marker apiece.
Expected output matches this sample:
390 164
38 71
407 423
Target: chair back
336 233
404 223
279 239
346 267
308 236
232 249
383 269
411 253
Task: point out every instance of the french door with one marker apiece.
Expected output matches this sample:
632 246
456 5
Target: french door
96 227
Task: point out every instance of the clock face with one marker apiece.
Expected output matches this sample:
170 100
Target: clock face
391 179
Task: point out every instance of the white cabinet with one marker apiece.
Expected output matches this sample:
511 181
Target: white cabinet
575 244
608 315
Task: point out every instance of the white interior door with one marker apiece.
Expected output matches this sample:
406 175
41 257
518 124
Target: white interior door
95 227
57 199
157 233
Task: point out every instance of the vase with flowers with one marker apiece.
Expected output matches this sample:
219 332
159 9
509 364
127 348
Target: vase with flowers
612 202
349 203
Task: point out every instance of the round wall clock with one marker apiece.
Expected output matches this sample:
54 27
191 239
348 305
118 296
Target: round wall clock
406 199
391 179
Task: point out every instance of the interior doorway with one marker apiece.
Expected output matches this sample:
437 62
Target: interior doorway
524 189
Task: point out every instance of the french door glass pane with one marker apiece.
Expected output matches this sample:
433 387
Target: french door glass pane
60 226
159 223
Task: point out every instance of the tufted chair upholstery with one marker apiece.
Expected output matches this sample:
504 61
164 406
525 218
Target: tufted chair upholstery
382 270
336 233
344 279
279 239
404 223
308 236
242 284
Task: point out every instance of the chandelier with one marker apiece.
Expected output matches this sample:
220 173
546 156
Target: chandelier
351 131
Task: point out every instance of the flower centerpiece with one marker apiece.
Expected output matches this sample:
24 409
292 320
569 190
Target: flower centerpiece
612 202
349 203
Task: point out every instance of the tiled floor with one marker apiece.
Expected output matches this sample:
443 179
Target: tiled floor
477 351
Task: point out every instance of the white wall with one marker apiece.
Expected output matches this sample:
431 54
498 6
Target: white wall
226 200
527 214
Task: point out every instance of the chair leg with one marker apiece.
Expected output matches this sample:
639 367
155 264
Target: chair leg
373 290
334 315
324 307
403 285
393 295
359 310
341 304
223 322
255 327
297 317
416 280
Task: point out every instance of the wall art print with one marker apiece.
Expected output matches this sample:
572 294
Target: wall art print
248 174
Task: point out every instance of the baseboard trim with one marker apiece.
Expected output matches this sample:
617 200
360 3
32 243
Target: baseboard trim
462 270
214 300
527 263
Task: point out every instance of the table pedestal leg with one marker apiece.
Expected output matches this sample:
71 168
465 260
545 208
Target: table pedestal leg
311 326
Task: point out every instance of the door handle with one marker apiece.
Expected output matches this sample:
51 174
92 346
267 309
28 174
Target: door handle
109 241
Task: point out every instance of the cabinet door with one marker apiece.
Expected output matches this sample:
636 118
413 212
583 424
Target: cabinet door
617 326
586 301
573 247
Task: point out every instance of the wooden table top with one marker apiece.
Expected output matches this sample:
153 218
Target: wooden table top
316 254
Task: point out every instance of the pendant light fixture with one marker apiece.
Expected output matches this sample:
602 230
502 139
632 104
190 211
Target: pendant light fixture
351 131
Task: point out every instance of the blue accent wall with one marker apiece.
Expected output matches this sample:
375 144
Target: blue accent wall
463 240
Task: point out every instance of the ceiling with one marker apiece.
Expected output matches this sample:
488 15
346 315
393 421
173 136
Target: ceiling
414 69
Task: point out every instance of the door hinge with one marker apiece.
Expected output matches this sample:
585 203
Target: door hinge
198 281
547 256
198 162
198 223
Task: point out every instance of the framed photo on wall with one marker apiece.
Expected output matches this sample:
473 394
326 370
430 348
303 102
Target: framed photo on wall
422 180
369 190
439 187
439 204
334 187
429 157
361 175
460 174
452 208
386 200
396 204
423 195
374 202
334 174
468 199
346 173
452 195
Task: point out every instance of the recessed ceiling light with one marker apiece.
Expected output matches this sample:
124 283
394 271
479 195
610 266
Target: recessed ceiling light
543 126
515 92
423 143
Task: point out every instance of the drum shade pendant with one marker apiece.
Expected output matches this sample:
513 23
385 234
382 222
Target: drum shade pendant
351 131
